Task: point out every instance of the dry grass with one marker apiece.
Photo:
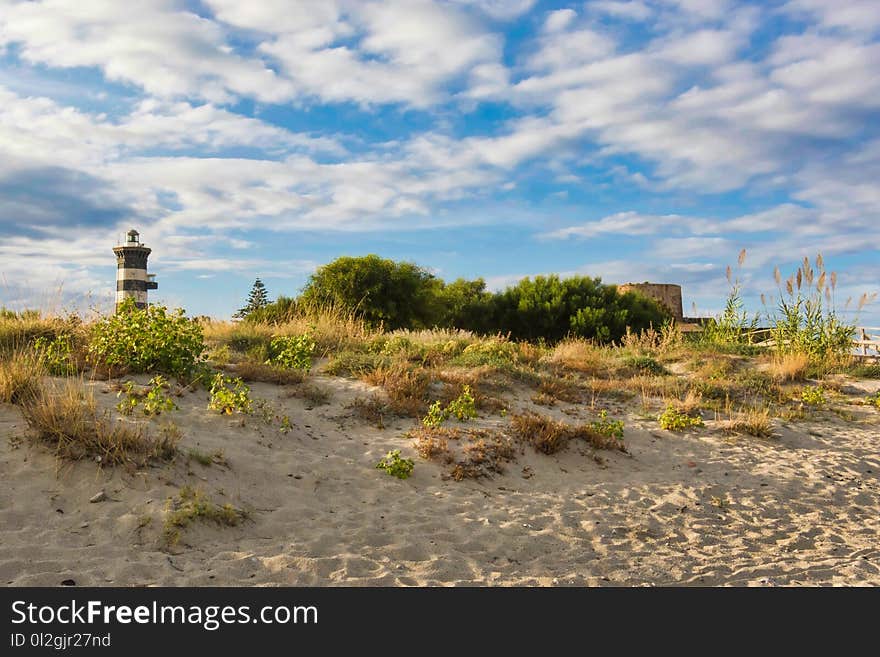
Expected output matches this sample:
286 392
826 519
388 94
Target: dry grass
192 505
66 418
562 389
250 371
690 405
549 436
406 387
332 329
371 409
312 393
20 376
477 453
789 367
580 356
753 421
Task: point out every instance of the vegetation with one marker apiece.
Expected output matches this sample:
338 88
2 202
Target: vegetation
396 466
20 377
674 419
549 436
67 418
155 399
192 505
257 300
147 340
462 407
292 351
229 395
814 396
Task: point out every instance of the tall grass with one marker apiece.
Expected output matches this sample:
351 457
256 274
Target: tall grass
20 375
65 416
806 320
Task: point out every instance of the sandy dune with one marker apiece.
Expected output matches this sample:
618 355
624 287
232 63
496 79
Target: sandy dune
698 508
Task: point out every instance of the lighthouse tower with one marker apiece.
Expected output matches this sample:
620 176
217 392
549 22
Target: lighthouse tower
132 279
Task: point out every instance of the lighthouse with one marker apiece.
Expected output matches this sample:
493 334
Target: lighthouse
132 279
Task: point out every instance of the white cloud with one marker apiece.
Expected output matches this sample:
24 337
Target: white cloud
631 10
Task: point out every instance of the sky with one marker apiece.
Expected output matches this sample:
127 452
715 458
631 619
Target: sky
640 140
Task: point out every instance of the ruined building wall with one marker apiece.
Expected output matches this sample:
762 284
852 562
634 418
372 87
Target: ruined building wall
665 293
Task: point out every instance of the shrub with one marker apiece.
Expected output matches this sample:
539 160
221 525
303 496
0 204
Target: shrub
873 400
493 351
553 308
673 419
155 399
607 428
814 396
148 340
396 466
229 395
56 354
292 351
383 292
462 407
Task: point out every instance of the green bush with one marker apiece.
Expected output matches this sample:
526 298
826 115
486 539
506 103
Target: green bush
229 395
553 308
293 351
381 291
674 420
873 400
156 401
814 396
608 428
396 466
462 407
56 354
148 340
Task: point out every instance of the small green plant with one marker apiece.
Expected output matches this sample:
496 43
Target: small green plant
131 400
191 505
229 395
396 466
673 419
292 351
873 400
285 426
56 354
606 427
814 396
148 340
156 401
462 407
436 416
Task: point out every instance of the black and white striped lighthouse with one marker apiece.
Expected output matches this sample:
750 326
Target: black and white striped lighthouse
132 279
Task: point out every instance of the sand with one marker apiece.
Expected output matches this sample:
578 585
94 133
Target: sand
698 508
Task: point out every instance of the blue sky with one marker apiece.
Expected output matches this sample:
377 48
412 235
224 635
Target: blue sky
632 140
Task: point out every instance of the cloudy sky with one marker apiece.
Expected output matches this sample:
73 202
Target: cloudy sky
632 140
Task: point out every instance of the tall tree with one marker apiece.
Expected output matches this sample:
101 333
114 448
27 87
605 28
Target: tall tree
258 298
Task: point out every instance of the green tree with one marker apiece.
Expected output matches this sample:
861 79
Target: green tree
257 299
394 294
465 304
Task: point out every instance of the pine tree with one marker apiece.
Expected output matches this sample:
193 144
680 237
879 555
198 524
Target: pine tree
258 298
